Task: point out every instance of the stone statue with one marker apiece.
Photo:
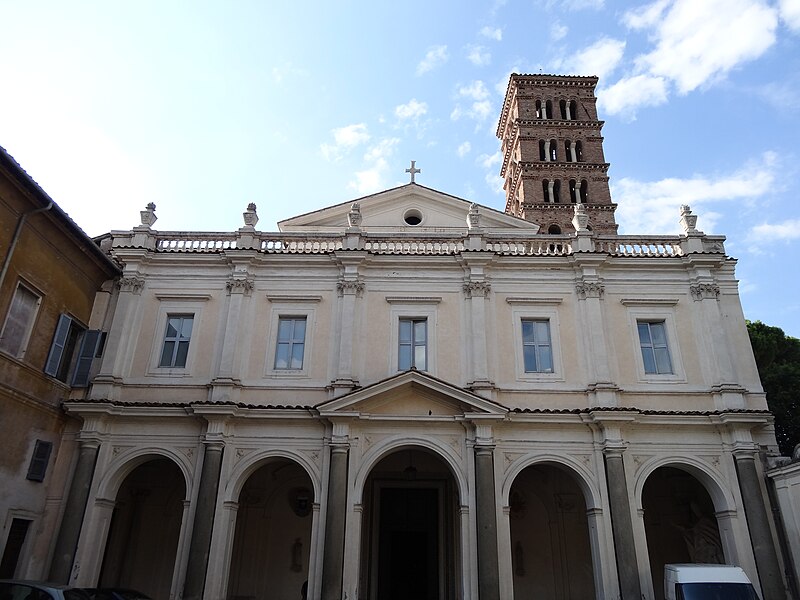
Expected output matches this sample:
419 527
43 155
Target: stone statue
702 538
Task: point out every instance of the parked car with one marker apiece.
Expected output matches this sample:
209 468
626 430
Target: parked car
707 582
12 589
114 594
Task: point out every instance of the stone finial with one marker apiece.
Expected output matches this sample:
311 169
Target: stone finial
473 216
250 215
688 220
580 220
354 216
148 216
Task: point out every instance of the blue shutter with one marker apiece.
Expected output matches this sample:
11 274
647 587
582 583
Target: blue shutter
89 348
39 460
57 348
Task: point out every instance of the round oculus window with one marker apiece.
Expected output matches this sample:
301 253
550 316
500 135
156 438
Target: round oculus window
412 217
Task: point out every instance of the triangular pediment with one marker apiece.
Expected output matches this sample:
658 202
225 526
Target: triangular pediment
411 394
390 210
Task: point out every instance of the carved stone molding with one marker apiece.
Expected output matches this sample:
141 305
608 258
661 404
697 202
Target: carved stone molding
589 290
239 286
133 284
477 289
705 291
350 286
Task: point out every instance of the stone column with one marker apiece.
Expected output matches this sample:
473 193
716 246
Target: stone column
486 508
769 570
203 523
624 546
333 560
71 523
350 288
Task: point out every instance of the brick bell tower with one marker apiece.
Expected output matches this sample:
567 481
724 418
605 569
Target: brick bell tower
553 153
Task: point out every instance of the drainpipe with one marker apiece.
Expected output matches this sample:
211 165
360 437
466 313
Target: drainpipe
15 239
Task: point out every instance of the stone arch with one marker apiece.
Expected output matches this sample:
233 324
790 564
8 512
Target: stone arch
383 449
124 464
251 463
711 479
583 476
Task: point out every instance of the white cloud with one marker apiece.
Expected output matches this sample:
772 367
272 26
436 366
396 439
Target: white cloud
412 110
574 4
480 107
790 13
464 149
492 33
478 56
645 16
786 231
434 57
601 58
700 42
495 183
345 139
487 161
558 31
475 90
373 178
653 206
631 92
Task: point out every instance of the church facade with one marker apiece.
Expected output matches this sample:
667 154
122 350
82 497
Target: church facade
415 396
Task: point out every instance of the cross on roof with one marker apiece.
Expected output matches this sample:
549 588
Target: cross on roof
413 170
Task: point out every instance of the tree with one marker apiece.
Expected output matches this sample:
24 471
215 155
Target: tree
778 360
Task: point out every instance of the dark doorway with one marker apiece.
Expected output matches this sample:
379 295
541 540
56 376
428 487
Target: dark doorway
408 544
411 539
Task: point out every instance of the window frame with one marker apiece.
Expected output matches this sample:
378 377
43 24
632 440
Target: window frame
295 308
175 304
62 358
652 312
412 308
291 342
26 336
652 346
536 310
413 343
177 339
536 345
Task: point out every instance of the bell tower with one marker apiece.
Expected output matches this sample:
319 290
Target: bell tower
553 153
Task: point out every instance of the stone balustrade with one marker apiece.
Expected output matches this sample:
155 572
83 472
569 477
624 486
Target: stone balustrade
429 243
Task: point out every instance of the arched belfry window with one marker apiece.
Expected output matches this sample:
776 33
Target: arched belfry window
557 191
554 230
548 110
546 190
578 152
584 191
542 151
573 110
563 109
574 191
539 110
569 151
553 150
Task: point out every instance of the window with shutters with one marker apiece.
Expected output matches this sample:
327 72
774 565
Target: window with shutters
41 456
19 321
62 357
91 348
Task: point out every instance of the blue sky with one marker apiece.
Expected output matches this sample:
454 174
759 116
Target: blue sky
203 107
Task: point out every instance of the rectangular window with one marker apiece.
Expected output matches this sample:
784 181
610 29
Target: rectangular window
291 343
537 349
655 352
19 321
62 354
413 344
41 456
176 341
11 554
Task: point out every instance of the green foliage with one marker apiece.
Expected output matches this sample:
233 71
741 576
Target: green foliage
778 359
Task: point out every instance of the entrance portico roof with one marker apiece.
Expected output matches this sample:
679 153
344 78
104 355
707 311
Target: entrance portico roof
409 394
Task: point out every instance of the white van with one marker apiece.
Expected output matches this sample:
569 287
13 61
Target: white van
707 582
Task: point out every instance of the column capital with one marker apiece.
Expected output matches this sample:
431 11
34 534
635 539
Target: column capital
614 448
744 451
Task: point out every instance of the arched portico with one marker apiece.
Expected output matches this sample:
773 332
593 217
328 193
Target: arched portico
687 513
140 485
553 529
411 525
250 501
